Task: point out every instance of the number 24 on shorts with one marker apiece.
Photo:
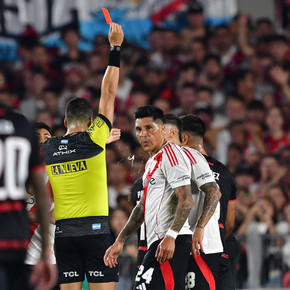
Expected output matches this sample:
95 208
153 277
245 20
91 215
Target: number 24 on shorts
147 276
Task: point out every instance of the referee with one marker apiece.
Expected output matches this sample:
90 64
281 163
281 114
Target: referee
76 165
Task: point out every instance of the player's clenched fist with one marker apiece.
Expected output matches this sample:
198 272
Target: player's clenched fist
116 35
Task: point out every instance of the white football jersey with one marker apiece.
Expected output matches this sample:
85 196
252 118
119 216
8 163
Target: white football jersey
200 175
167 169
35 246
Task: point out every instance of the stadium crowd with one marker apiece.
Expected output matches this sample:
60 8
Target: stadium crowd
234 76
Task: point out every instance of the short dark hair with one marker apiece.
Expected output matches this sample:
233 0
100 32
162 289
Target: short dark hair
189 85
278 38
236 147
213 57
235 97
222 27
256 105
201 40
189 65
175 121
205 89
149 111
193 124
41 125
78 109
264 20
242 74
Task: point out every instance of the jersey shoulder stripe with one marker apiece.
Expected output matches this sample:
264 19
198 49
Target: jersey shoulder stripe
170 154
173 154
182 155
189 155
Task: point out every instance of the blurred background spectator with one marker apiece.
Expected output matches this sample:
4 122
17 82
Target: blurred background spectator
227 61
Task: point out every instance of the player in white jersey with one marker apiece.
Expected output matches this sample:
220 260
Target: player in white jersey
222 265
205 211
213 269
164 206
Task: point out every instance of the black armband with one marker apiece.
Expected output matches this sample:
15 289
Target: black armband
114 56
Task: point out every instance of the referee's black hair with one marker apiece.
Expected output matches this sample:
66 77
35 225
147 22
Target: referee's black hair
78 109
149 111
41 125
175 121
193 124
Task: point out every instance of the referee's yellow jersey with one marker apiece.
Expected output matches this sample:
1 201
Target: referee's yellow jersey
76 167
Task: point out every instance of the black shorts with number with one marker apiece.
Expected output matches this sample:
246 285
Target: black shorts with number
209 271
83 254
167 275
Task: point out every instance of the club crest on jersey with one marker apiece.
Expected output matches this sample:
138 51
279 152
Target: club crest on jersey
64 141
69 167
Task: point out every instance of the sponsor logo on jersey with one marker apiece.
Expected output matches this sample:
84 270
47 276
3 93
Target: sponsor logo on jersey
64 141
96 226
60 153
69 167
184 177
58 230
98 122
152 181
71 274
204 176
96 273
62 147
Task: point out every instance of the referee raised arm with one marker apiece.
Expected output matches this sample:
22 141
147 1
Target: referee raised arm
76 165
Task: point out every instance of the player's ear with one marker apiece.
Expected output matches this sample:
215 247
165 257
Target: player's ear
173 131
65 122
90 121
184 139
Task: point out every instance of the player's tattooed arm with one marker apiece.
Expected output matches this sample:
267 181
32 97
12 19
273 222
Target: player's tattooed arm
212 197
184 205
134 222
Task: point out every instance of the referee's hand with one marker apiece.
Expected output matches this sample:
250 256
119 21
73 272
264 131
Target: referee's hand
116 35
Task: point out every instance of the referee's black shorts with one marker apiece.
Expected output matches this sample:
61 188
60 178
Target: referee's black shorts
78 255
80 245
167 275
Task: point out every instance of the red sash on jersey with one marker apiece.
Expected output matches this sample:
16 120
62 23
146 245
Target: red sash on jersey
207 273
158 159
167 275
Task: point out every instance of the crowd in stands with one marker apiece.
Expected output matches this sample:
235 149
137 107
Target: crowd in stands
234 76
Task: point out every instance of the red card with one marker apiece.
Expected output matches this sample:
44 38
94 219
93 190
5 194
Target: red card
107 15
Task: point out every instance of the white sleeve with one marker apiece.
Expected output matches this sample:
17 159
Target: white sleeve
201 172
175 166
